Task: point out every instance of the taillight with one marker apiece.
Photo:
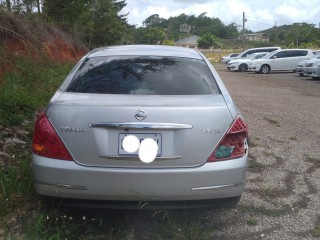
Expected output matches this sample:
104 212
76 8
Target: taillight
46 142
233 144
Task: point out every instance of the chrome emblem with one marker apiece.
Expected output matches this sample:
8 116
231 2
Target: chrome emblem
140 115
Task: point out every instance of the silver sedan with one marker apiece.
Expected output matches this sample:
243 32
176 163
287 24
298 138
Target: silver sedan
137 123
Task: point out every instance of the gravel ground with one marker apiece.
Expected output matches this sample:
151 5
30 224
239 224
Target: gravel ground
282 199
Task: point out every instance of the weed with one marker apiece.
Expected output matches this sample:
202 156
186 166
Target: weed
252 143
313 160
293 138
175 226
269 192
272 121
271 212
252 221
254 165
316 231
15 183
28 88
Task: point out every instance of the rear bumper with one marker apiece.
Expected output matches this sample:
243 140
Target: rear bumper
66 179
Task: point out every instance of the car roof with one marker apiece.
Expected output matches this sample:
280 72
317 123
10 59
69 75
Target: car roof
293 49
145 50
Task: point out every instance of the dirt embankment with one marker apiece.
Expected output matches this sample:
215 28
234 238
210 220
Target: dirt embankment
21 36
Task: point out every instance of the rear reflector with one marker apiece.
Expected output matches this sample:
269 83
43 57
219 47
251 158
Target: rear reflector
46 142
233 144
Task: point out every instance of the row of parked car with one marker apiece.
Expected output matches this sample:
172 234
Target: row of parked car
263 60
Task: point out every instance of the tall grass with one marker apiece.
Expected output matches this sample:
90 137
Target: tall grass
27 87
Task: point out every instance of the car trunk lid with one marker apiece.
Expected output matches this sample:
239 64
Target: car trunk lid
186 128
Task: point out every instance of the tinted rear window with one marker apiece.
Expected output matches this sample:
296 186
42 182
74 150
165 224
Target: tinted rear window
143 75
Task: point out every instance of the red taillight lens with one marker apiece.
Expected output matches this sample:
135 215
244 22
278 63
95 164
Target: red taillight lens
46 142
233 144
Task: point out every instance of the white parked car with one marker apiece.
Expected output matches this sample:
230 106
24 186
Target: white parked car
312 68
257 50
280 60
300 69
242 63
226 59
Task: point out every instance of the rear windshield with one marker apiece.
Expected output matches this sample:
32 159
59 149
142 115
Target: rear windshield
143 75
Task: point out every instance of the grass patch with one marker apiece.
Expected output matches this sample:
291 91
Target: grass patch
293 138
313 160
215 56
254 165
269 192
316 231
251 143
15 183
24 90
103 224
252 222
272 121
270 212
28 87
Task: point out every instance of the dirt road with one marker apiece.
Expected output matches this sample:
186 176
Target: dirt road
282 199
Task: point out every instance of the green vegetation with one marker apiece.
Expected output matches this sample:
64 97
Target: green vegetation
271 212
28 87
272 121
313 160
293 138
99 23
254 165
269 192
23 92
252 221
208 40
316 231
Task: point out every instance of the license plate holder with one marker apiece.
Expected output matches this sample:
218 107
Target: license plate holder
157 137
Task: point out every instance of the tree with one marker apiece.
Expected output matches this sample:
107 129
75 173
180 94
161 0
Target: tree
149 35
208 40
8 2
95 22
153 20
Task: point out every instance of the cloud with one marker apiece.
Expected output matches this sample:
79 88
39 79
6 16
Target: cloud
260 16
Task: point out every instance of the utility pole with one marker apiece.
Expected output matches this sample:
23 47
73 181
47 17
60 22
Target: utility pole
275 32
243 31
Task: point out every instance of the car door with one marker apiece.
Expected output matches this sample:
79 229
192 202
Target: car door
279 60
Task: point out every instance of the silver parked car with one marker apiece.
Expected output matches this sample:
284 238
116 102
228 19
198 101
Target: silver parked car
300 69
141 123
312 68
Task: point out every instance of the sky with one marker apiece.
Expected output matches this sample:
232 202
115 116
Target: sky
260 14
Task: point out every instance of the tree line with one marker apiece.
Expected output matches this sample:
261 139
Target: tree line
99 23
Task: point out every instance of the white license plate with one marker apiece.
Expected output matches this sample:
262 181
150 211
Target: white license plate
157 137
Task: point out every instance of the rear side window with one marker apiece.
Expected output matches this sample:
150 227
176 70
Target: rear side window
143 75
301 53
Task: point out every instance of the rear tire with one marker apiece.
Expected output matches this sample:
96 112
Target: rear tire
301 74
243 67
315 78
265 69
